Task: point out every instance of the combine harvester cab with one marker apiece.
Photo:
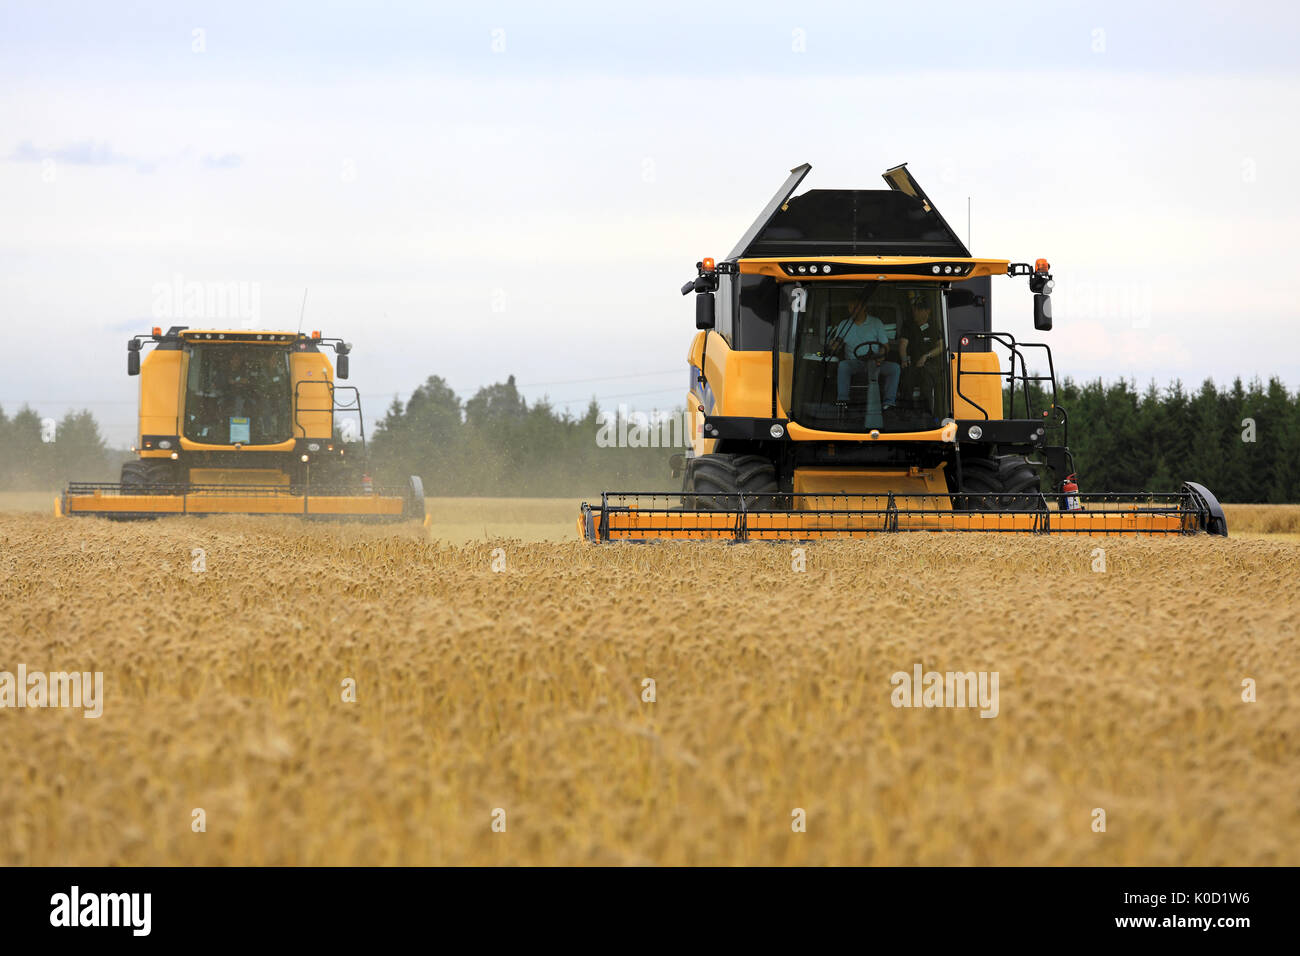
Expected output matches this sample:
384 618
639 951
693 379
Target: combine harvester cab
845 380
244 422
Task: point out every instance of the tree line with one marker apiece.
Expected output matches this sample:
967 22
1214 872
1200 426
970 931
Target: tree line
495 443
1241 441
38 454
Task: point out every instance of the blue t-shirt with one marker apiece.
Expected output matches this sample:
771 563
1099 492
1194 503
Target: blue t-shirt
854 334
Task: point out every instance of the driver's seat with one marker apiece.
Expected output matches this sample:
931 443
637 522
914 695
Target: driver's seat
868 392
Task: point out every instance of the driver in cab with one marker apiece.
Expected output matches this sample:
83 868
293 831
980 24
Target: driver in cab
863 338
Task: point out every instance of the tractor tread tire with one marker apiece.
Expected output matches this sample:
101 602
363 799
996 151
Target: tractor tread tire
983 478
718 482
149 477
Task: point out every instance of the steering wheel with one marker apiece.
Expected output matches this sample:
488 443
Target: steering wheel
857 349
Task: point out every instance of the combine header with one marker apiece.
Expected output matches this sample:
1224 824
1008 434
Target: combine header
244 422
845 381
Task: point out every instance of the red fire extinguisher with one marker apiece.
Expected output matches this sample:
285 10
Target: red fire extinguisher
1070 491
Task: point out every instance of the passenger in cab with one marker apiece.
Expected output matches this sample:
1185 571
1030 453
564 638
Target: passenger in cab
921 348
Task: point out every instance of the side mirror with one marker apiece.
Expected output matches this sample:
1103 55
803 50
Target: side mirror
1042 312
704 310
133 357
341 365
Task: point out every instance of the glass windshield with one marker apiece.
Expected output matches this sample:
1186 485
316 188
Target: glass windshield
238 394
867 355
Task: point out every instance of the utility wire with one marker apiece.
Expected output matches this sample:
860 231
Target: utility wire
604 378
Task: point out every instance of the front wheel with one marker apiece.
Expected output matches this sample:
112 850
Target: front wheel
722 482
1004 483
142 476
413 507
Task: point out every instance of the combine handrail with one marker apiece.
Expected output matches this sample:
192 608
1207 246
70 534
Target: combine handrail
334 405
1008 341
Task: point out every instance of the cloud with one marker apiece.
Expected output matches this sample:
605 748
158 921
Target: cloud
93 153
224 161
85 153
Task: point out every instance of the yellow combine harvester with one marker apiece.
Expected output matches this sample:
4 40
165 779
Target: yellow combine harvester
244 422
846 380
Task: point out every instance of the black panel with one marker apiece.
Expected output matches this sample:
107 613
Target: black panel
776 202
876 222
970 309
760 303
749 429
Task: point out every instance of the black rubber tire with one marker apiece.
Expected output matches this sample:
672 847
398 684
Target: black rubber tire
144 477
984 478
413 507
721 482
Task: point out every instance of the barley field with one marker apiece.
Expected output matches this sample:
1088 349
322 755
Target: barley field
500 672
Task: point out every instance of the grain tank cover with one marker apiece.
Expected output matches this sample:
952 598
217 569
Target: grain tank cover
899 221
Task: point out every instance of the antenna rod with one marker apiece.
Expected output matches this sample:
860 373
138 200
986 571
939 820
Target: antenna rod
968 223
302 311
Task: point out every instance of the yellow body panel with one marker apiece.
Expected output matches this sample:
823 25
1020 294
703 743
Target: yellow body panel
312 379
162 376
816 488
188 445
798 432
269 477
986 390
742 378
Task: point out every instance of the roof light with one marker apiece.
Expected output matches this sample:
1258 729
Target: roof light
1040 265
935 270
157 331
826 268
316 335
707 265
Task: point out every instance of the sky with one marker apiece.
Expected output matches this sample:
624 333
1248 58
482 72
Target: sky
480 190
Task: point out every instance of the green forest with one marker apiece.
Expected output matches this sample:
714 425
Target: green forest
1241 441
